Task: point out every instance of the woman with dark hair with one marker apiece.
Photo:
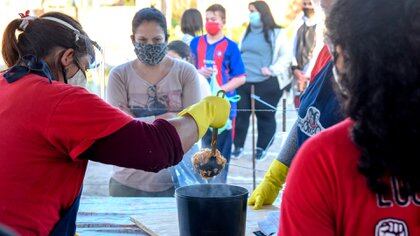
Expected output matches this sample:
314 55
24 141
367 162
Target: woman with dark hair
361 176
191 25
267 68
153 86
50 129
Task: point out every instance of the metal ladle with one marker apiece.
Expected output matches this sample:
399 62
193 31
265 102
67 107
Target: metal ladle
211 168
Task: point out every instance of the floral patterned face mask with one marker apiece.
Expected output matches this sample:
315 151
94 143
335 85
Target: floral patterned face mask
150 54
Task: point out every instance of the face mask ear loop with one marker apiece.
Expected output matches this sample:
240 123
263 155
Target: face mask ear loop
61 68
78 66
63 71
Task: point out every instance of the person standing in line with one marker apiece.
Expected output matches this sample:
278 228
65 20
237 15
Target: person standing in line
183 173
264 52
180 50
191 25
153 86
303 47
219 60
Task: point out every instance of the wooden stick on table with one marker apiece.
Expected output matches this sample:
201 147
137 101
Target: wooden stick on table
143 227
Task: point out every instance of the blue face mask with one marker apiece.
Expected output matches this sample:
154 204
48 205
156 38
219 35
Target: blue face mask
255 19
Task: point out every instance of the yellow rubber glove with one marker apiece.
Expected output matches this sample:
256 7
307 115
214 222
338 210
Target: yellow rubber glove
212 112
267 191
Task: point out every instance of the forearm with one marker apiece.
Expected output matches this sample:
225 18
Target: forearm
234 83
187 130
138 145
289 149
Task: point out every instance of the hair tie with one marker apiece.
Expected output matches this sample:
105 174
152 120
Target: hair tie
23 15
25 20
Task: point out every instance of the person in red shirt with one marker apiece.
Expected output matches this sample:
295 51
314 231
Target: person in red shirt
50 129
360 177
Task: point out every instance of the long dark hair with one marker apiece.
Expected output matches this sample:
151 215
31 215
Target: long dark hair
267 20
191 22
380 86
40 37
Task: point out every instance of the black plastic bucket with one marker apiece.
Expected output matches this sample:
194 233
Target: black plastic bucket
211 209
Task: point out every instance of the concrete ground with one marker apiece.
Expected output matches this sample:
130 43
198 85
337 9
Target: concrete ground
240 172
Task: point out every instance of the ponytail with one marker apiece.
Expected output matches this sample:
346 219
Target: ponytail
10 47
39 37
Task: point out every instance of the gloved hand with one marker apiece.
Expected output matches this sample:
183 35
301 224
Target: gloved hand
267 191
212 112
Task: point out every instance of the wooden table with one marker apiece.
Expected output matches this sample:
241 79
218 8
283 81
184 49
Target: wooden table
111 216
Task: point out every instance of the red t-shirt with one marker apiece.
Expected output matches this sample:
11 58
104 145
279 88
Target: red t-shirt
326 195
323 58
43 129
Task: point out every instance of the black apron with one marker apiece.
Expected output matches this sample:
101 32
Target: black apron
66 226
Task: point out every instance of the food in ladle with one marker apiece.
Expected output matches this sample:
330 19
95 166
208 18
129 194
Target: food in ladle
208 165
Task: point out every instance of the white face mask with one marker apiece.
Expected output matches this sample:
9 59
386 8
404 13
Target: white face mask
78 79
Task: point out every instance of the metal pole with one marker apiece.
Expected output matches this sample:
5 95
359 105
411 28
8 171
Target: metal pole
253 135
284 115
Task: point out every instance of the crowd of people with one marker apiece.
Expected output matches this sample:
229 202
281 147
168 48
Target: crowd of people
348 166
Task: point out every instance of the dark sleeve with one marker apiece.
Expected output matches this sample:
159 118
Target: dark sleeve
138 145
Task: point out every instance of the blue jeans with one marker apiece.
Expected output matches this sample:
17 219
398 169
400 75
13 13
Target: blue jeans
224 145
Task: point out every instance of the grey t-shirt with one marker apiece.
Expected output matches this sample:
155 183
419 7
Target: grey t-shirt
139 98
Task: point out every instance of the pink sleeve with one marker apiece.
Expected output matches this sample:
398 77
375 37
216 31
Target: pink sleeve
308 199
81 118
